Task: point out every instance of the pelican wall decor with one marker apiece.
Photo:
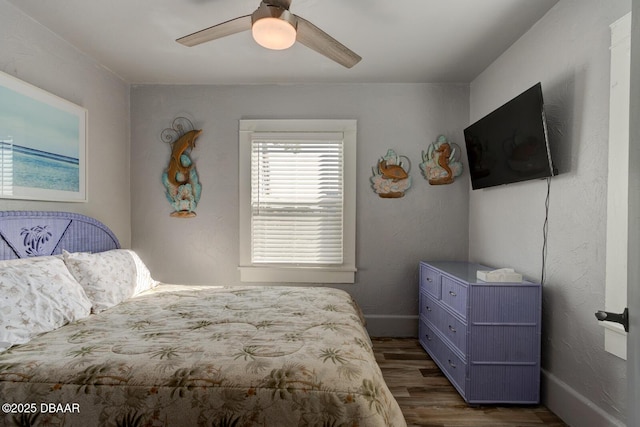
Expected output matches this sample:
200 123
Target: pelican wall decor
180 178
441 163
391 177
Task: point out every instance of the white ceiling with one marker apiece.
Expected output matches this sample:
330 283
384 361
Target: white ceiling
399 41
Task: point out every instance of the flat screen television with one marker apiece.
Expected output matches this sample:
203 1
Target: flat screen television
510 144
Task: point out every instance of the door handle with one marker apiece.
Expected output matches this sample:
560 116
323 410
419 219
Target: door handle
622 318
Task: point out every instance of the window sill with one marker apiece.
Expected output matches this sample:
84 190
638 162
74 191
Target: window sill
297 274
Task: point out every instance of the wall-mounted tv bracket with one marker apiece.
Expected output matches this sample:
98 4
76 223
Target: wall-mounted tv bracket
622 318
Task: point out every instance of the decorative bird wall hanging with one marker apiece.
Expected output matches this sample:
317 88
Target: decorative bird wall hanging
391 177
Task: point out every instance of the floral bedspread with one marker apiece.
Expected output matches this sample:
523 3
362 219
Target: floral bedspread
203 356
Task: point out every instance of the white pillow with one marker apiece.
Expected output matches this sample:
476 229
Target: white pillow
36 296
110 277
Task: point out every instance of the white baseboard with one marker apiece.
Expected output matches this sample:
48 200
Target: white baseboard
382 325
574 409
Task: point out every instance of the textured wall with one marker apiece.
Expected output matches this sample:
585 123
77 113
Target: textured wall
568 51
392 236
35 55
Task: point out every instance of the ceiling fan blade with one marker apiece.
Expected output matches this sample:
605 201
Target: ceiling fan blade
224 29
316 39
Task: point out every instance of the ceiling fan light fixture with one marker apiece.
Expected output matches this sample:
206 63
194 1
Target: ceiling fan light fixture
273 27
273 33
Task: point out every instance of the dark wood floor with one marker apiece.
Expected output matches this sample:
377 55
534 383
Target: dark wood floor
427 399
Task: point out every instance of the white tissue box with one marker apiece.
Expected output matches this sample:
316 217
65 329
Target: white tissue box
500 275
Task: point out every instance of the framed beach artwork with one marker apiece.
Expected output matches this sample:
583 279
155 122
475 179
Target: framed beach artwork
43 144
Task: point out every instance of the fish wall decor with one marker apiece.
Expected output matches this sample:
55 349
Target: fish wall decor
180 179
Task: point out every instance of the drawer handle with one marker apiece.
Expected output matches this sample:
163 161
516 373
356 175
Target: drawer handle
453 365
428 337
453 294
428 308
452 329
429 279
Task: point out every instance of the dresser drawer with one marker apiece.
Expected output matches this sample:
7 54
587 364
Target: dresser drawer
454 368
430 281
449 363
426 307
454 295
449 326
426 336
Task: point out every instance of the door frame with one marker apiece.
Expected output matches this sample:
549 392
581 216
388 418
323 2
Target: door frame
633 270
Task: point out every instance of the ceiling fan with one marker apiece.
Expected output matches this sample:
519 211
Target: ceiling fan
274 27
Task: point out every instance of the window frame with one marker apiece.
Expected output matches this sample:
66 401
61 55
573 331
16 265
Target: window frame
291 273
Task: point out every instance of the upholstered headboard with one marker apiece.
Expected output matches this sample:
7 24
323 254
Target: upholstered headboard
37 233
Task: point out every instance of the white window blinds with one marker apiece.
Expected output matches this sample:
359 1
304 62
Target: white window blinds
297 195
297 200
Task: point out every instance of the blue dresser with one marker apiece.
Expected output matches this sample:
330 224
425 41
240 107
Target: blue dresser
484 336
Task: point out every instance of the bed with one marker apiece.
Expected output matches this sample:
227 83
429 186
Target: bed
116 348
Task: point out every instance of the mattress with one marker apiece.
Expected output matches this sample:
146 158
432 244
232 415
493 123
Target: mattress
196 355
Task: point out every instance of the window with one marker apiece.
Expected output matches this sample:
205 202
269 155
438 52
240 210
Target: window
297 201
